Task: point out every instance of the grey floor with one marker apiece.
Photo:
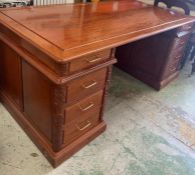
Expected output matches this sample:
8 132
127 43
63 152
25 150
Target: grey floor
149 133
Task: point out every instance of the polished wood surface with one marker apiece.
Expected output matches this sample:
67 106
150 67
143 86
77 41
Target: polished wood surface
68 31
85 85
63 57
36 99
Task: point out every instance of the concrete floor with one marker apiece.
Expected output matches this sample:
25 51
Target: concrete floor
149 133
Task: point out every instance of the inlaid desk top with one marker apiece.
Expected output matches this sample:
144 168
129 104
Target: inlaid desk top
67 31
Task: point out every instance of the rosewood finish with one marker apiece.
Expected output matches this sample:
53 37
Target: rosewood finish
56 63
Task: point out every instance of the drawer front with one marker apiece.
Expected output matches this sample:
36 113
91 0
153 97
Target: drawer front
180 42
84 108
86 85
178 49
176 54
78 128
175 58
171 68
186 27
89 60
184 32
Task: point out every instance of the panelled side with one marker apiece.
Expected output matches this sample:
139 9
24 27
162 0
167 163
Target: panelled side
10 75
37 99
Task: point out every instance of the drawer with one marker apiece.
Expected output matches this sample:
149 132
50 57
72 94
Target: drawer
84 108
186 27
171 68
180 42
176 55
86 85
183 34
77 128
89 60
175 58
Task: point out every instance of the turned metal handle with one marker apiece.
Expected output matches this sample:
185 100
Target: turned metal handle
84 127
90 85
86 108
94 60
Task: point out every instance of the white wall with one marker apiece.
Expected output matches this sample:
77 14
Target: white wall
48 2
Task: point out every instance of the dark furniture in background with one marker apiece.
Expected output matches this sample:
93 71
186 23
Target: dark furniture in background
55 69
190 47
155 60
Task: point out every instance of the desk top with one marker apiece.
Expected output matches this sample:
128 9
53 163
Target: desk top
67 31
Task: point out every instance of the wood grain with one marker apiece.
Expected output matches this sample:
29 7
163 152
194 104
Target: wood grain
65 32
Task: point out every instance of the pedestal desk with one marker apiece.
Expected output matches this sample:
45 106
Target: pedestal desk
56 63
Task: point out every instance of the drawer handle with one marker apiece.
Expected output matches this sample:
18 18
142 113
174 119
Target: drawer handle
171 69
86 108
181 43
94 60
84 127
177 57
90 85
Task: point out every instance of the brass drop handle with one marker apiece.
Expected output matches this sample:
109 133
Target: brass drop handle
84 127
94 60
86 108
90 85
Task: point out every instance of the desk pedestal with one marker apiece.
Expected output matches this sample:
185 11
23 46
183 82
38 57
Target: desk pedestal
154 60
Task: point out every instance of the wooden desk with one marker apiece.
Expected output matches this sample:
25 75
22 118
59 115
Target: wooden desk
56 62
